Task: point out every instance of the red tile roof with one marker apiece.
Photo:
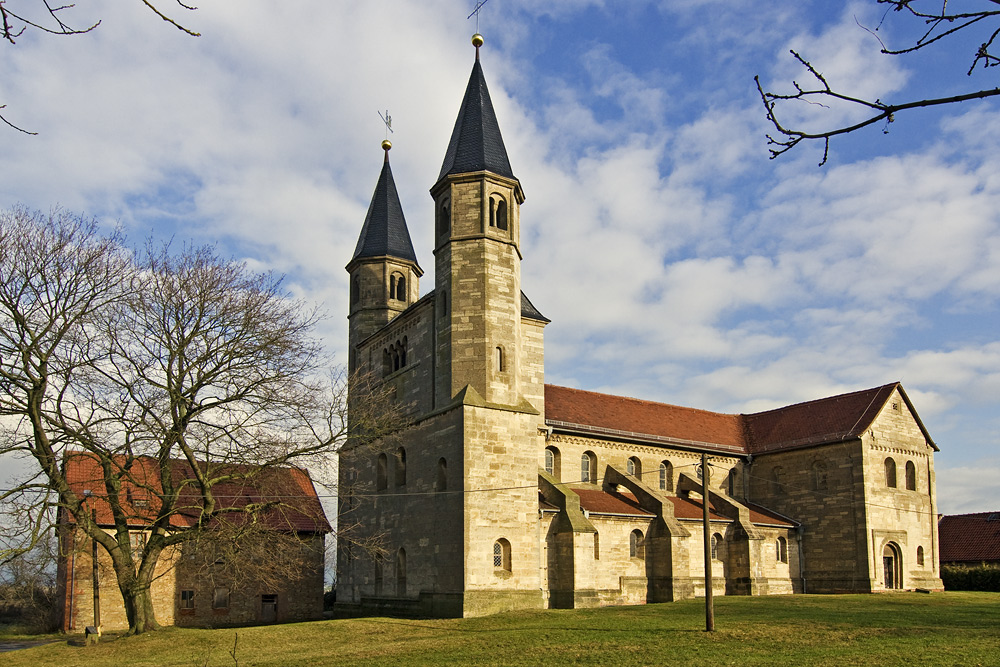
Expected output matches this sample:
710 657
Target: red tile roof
297 507
597 501
687 508
825 420
970 538
627 417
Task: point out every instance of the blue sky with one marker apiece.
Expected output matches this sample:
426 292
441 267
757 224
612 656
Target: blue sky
677 262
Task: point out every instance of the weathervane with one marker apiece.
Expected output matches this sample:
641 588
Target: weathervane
386 144
475 12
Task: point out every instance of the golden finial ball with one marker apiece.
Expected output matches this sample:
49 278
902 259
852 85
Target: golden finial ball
386 145
477 40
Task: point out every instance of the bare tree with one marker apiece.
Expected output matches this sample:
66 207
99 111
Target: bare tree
184 378
51 18
940 24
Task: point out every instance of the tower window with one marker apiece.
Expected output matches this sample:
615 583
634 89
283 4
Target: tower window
397 287
498 212
500 360
890 473
400 467
355 289
920 556
443 218
444 303
401 572
911 476
442 476
381 476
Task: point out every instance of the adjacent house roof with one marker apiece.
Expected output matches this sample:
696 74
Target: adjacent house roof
294 505
826 420
384 233
476 144
970 538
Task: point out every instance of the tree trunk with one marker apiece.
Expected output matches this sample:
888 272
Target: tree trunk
138 600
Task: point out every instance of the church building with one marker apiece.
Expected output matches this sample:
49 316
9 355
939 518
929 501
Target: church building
503 492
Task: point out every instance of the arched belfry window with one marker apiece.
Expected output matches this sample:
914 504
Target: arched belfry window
397 287
443 218
498 212
911 476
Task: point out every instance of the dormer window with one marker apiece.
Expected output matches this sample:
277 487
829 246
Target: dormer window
498 212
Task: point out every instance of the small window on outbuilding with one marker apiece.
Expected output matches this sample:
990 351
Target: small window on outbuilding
890 473
501 555
220 599
911 476
187 600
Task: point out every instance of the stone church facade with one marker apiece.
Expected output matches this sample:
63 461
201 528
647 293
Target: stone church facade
504 492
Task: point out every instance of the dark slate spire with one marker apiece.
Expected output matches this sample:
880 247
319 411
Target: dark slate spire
384 232
476 144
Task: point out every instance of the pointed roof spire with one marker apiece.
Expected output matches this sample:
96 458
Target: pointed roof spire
476 143
384 232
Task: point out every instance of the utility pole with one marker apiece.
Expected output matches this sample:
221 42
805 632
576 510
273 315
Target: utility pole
97 580
709 606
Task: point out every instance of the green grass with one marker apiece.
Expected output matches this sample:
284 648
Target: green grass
895 629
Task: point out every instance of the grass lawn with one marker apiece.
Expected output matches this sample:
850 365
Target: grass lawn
893 629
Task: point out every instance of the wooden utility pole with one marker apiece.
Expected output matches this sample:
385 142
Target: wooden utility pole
97 580
709 606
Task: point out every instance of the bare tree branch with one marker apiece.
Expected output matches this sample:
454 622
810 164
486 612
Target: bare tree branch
941 24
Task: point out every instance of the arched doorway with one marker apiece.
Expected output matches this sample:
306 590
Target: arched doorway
892 566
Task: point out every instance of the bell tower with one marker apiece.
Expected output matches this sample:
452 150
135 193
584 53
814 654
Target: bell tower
384 270
477 201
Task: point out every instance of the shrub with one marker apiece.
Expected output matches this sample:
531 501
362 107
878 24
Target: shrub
982 577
